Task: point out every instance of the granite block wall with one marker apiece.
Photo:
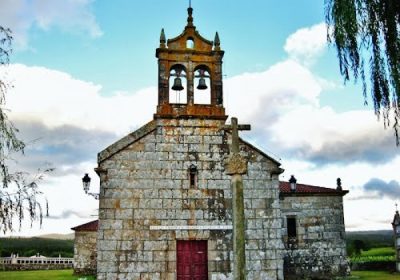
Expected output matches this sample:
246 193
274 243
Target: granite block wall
147 203
85 252
319 251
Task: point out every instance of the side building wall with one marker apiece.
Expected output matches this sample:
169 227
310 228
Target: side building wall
85 252
147 204
319 249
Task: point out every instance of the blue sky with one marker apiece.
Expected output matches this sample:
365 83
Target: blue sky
84 74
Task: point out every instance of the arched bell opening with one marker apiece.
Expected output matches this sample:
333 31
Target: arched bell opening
202 86
177 85
190 43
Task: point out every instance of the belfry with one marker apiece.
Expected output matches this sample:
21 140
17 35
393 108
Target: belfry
192 57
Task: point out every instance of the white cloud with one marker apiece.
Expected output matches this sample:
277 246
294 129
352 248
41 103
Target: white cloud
70 15
281 103
322 134
55 99
269 94
307 44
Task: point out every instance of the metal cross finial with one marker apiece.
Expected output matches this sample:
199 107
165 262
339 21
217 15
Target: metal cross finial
190 3
396 207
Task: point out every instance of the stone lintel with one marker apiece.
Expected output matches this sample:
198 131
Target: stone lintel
203 227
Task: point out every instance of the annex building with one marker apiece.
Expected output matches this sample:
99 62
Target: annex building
165 206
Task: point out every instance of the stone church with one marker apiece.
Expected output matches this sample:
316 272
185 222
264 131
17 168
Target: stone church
165 206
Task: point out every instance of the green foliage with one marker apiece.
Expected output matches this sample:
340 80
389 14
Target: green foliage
371 239
358 246
366 35
31 246
385 254
383 251
42 274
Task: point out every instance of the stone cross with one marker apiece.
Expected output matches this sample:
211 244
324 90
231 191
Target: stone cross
236 165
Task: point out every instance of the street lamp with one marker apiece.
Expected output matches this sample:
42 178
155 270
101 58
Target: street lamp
86 182
292 182
86 185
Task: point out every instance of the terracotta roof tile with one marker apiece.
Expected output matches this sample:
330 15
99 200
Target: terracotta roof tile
91 226
284 188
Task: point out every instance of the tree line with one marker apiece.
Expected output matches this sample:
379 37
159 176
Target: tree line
26 247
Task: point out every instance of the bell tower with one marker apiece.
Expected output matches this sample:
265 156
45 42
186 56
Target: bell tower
189 65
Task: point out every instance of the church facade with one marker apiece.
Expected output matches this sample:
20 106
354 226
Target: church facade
165 206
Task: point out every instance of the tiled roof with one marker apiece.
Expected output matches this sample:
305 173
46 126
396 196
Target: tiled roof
284 188
91 226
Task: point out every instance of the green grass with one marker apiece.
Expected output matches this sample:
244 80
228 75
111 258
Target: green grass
41 275
373 275
383 251
382 254
67 275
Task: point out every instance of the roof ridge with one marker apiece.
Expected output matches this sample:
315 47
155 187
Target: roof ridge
89 226
126 141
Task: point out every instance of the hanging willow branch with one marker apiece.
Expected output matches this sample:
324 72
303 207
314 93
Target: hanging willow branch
367 32
19 192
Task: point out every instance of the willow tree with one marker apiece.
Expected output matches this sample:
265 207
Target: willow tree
366 35
19 192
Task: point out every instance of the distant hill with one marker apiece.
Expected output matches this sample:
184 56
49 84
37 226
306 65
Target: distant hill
68 236
373 239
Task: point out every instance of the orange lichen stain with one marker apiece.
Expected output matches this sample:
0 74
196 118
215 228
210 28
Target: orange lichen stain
177 110
138 147
117 204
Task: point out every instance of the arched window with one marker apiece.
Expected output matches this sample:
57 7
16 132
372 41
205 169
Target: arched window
202 86
190 43
178 85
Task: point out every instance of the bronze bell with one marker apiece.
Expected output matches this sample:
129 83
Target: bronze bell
177 84
202 84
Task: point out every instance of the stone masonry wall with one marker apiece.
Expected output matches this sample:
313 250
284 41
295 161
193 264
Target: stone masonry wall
320 250
147 185
85 252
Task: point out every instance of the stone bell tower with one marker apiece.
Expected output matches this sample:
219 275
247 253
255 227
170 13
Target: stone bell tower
189 56
166 201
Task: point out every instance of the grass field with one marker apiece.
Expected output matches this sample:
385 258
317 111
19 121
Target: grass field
373 275
383 251
41 275
383 254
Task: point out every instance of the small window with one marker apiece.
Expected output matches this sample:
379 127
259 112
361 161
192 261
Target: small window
291 227
192 175
189 43
291 233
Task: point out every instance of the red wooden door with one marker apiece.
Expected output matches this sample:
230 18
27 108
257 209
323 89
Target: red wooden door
191 260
